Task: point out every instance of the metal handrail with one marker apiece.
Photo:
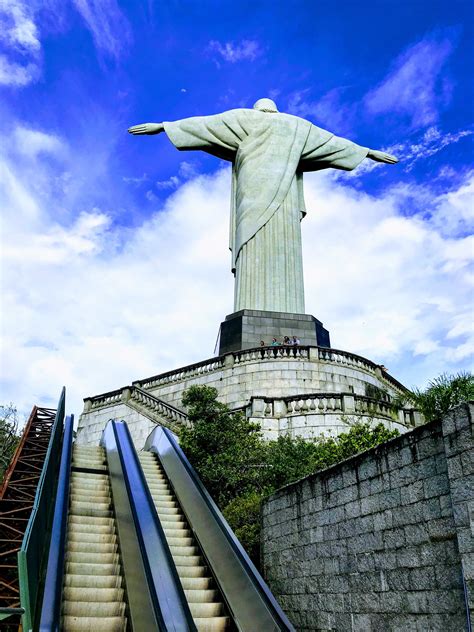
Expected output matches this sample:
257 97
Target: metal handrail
35 543
50 614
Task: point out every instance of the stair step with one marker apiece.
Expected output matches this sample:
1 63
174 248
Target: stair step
216 624
183 550
96 624
197 595
85 546
192 571
196 583
187 560
95 521
206 610
93 608
92 594
89 568
88 537
101 510
96 581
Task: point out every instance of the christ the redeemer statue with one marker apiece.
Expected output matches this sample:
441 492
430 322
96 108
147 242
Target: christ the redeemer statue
269 152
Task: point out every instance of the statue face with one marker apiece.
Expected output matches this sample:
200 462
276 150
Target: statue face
265 105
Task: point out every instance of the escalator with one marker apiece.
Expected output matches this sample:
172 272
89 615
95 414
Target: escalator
236 596
138 545
205 601
93 588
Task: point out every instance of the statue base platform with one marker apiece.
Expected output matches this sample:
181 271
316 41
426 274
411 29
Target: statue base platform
248 327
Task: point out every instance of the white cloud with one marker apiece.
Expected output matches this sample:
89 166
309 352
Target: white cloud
32 142
428 143
329 110
93 306
171 183
109 27
233 52
186 171
20 63
136 181
416 87
17 26
398 285
431 142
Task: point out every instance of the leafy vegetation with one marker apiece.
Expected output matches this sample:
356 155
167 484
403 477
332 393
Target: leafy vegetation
240 469
224 448
442 394
8 436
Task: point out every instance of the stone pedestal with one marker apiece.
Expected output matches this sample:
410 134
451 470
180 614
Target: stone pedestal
246 328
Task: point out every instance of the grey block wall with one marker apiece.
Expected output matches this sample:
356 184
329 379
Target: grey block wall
383 541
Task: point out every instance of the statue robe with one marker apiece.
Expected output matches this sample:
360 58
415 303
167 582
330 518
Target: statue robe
269 152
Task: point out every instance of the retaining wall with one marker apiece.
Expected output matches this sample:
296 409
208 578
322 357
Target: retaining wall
382 541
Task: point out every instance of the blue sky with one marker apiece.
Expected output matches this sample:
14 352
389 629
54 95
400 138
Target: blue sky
114 258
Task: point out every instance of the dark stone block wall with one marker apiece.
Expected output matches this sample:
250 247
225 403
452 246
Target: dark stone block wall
246 328
383 541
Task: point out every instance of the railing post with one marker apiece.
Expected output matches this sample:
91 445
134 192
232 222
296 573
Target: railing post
401 416
279 408
314 354
258 407
229 360
348 403
87 404
126 394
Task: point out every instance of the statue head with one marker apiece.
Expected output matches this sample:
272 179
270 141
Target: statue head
265 105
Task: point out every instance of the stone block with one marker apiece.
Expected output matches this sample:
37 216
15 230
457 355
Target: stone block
435 485
462 490
409 557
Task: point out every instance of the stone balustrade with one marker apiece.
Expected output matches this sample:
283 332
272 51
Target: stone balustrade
105 399
269 354
281 352
336 356
327 403
158 407
192 370
137 397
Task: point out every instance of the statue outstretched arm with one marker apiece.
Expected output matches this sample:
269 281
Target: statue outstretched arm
146 128
381 156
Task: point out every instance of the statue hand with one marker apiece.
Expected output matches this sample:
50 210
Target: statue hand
146 128
381 156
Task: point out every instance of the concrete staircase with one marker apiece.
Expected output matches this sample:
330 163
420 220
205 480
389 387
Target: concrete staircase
93 591
205 602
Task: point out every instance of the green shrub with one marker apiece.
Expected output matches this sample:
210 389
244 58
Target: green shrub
442 394
239 468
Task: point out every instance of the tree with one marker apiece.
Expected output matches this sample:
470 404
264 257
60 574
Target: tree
224 447
8 436
240 469
442 394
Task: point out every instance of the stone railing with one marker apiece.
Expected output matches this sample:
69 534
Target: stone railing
281 352
111 398
327 403
265 354
141 400
192 370
336 356
247 356
157 407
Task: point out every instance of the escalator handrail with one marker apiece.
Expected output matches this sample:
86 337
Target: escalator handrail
266 596
50 614
168 597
